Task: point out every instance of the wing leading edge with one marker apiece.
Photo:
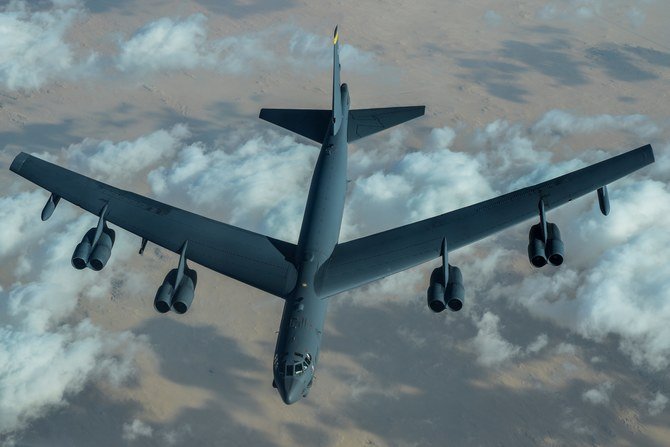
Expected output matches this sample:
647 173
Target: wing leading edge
259 261
367 259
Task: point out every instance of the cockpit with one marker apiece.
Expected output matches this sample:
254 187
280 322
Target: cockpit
296 366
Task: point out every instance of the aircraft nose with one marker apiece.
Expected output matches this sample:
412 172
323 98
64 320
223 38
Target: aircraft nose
292 391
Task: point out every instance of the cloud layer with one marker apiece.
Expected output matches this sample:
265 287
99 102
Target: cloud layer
614 282
34 51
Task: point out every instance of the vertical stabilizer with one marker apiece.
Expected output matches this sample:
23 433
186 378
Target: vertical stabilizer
337 98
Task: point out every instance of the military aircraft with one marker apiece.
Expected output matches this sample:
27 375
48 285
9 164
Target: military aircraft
307 274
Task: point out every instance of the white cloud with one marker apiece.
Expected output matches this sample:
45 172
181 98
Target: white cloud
570 9
539 344
33 50
136 429
492 18
172 44
636 17
121 161
657 404
583 10
614 282
167 44
307 48
419 185
561 123
43 359
566 349
263 181
599 395
622 285
491 348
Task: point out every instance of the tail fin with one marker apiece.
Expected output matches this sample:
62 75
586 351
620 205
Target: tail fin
314 124
337 98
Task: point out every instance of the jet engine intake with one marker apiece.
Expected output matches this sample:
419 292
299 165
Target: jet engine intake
184 297
555 250
163 300
436 289
83 250
536 247
178 288
455 292
102 250
95 255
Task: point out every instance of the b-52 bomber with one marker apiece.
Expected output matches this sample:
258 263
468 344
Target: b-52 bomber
318 267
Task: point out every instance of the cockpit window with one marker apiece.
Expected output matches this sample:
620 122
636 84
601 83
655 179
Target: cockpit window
298 368
298 354
289 370
308 359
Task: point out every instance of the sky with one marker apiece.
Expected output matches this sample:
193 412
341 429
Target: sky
162 98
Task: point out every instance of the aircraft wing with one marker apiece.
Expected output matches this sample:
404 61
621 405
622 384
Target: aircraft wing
369 258
254 259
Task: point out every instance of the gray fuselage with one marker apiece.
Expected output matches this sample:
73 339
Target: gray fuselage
301 328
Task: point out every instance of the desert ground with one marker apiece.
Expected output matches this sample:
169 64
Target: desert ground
162 98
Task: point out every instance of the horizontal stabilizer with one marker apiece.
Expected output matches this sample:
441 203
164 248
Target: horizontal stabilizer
364 122
309 123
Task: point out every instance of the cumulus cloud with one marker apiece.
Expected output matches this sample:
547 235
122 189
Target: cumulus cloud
121 161
136 429
34 51
561 123
599 395
260 183
570 9
316 49
167 44
657 404
590 9
418 185
45 355
614 281
539 344
621 286
491 348
492 18
636 17
170 44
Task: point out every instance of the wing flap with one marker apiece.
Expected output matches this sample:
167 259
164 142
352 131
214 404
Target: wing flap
363 260
257 260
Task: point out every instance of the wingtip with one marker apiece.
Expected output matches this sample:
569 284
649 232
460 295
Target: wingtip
18 162
336 36
650 153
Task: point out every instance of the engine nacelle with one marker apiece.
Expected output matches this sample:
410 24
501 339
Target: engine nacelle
102 250
536 248
435 293
163 300
83 250
555 250
184 297
94 256
177 297
454 294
